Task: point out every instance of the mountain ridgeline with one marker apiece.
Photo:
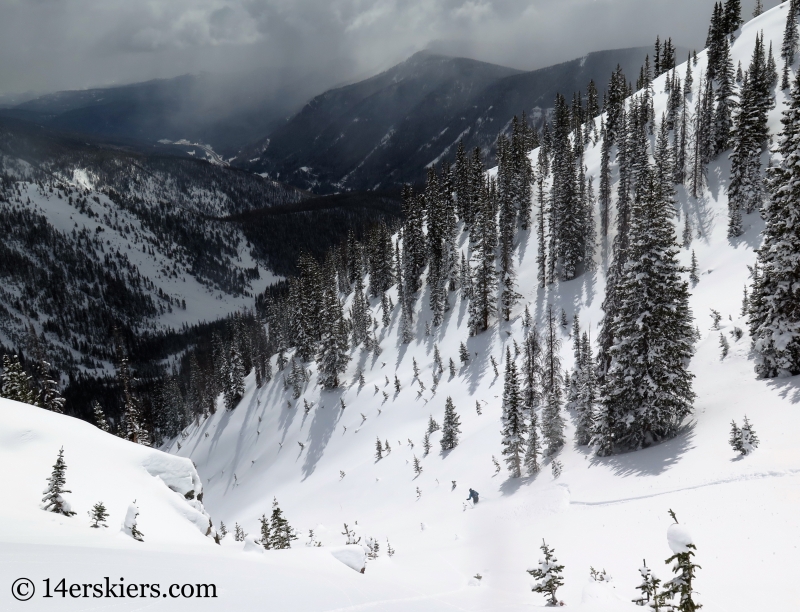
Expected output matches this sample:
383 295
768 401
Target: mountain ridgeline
384 131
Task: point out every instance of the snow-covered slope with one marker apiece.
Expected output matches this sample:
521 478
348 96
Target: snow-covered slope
609 512
601 512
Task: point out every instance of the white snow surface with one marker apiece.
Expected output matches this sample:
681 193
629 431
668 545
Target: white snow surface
602 512
679 538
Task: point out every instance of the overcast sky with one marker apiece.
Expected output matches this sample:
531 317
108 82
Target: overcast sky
48 45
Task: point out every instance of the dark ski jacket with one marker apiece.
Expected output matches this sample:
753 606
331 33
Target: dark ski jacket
473 495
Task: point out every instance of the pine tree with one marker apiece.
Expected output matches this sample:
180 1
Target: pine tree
98 515
693 270
238 533
513 420
99 416
533 450
743 440
463 353
759 8
417 466
587 394
482 304
426 443
774 324
131 524
432 425
548 575
723 122
53 500
378 450
17 385
649 588
134 428
451 426
333 357
281 533
552 381
681 585
266 532
646 391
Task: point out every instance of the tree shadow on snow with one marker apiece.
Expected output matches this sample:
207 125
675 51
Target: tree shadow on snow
650 461
326 417
787 388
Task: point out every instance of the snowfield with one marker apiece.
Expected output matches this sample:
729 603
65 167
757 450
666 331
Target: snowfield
606 513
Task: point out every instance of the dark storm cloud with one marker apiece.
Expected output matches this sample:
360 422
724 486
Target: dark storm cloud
47 45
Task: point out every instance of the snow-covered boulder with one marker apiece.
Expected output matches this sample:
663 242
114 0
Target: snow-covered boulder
352 555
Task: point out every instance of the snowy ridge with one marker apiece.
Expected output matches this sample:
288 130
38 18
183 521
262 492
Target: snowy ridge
100 467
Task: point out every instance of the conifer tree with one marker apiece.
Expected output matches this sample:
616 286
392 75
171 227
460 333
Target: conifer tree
17 385
432 425
774 324
98 515
552 381
281 533
266 532
417 466
533 450
723 122
378 450
743 440
682 584
513 419
649 588
646 391
135 430
99 416
531 370
587 394
548 575
333 358
426 443
482 303
53 500
451 426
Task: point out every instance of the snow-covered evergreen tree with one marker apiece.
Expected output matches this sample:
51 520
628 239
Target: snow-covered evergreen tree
513 419
552 381
743 440
17 384
646 391
774 321
281 533
548 575
53 500
649 587
451 426
131 523
682 585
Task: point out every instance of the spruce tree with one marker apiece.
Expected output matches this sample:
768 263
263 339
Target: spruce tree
533 450
53 500
451 426
281 533
513 419
333 357
552 381
99 416
378 450
135 430
649 588
682 584
548 575
774 322
98 515
646 391
482 303
17 385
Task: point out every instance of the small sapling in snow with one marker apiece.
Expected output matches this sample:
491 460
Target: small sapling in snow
98 515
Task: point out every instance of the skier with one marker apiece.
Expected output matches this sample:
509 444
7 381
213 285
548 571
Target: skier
473 495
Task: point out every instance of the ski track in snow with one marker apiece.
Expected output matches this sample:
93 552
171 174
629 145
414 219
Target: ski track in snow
754 476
